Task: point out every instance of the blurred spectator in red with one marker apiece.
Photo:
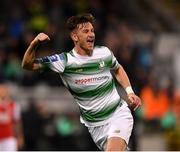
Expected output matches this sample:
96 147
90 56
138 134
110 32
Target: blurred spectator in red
11 136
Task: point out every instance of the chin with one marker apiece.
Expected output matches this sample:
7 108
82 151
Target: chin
91 48
89 51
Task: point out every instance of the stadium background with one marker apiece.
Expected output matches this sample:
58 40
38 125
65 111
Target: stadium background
144 36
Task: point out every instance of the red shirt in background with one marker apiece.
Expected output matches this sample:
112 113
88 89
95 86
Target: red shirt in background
9 113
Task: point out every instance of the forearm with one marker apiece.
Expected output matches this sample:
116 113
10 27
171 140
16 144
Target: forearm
29 56
123 79
133 100
19 134
18 129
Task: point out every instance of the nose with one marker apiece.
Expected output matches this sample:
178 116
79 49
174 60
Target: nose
92 34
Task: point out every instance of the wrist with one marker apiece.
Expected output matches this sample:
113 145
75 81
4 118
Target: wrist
129 90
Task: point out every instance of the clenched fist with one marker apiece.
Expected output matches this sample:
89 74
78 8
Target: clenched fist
134 101
41 37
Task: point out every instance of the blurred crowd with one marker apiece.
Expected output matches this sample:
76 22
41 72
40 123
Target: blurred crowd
46 130
114 27
118 26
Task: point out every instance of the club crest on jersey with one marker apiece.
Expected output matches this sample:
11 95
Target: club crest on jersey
101 64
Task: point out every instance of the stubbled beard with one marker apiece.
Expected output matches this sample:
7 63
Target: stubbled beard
88 51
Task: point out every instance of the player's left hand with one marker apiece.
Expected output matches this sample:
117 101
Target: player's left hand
134 101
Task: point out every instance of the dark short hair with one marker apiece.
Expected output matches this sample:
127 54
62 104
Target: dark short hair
73 21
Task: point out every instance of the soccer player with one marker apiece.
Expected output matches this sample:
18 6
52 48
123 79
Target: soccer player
11 134
85 71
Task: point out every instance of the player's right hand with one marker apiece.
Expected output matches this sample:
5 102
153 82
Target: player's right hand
41 37
134 101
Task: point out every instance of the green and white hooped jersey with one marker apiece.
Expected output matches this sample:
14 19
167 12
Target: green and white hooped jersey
89 80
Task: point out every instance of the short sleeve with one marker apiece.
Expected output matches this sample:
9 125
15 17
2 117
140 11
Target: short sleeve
114 64
55 62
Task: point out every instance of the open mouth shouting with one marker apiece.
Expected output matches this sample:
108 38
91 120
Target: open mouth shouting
90 41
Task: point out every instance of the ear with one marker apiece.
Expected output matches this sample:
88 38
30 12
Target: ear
74 36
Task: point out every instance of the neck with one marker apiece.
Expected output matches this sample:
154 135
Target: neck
82 51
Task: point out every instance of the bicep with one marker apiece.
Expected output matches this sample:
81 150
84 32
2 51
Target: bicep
37 66
119 73
55 62
32 67
118 70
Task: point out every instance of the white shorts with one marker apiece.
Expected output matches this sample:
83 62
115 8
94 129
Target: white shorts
8 144
120 125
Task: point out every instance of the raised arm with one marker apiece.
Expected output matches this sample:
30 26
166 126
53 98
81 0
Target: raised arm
28 61
123 79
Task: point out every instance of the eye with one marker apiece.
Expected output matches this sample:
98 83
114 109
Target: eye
86 31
